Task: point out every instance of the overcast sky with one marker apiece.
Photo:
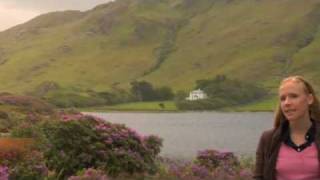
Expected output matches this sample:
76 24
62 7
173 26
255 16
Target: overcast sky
13 12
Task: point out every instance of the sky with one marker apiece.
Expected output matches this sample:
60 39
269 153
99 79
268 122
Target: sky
14 12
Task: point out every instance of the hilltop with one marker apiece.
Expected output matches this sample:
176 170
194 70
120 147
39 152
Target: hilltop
165 42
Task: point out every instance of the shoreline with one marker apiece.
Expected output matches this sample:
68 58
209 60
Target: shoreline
167 111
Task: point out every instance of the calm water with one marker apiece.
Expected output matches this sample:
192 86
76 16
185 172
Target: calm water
185 134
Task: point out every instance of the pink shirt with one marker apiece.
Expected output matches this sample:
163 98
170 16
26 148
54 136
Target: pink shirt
293 165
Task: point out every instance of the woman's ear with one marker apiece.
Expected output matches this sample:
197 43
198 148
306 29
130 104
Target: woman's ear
310 99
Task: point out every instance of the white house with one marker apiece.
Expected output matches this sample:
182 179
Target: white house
196 95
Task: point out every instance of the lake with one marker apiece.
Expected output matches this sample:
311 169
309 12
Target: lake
186 133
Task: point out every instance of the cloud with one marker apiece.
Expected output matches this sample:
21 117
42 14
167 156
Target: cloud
13 16
49 5
13 12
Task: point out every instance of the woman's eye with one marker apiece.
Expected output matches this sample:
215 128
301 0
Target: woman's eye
293 95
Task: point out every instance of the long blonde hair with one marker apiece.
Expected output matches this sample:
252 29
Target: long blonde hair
314 108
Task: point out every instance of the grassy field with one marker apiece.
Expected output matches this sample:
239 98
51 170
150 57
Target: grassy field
264 105
136 106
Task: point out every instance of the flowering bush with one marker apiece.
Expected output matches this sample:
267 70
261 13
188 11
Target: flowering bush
90 174
13 149
213 159
79 142
32 166
27 102
62 145
18 113
223 165
20 160
4 173
209 165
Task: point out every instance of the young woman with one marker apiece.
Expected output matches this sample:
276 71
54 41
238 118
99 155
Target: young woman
290 151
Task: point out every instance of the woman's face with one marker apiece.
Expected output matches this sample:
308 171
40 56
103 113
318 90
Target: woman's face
294 100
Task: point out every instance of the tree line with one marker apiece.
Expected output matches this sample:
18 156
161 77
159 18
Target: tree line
140 91
222 92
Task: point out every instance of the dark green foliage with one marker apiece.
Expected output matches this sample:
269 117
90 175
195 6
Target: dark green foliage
65 98
144 91
27 103
71 142
30 167
5 122
80 142
180 95
18 112
164 93
223 92
153 144
72 146
25 130
234 91
108 97
3 115
140 91
74 100
161 105
115 96
212 159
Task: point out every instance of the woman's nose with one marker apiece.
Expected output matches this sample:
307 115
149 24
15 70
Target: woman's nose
287 101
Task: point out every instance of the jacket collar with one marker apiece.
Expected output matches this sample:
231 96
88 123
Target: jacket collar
275 144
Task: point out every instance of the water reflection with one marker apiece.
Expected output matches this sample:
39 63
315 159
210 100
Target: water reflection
185 134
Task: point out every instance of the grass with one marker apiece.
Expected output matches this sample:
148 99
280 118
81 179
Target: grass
249 40
136 106
264 105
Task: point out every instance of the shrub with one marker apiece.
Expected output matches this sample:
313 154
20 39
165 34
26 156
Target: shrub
115 96
64 100
90 174
30 103
208 165
25 130
144 91
20 160
213 159
12 149
93 143
4 172
222 92
32 166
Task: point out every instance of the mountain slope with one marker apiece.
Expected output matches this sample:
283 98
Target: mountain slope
166 42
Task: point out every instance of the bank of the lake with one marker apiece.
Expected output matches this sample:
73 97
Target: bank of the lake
267 105
169 106
185 133
156 106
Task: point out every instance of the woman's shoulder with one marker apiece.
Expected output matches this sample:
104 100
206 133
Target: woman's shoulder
267 134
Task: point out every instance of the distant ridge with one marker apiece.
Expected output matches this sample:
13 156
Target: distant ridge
165 42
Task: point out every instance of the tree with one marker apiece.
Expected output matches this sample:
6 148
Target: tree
181 95
222 92
143 91
164 93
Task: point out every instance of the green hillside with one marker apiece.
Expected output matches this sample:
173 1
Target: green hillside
166 42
